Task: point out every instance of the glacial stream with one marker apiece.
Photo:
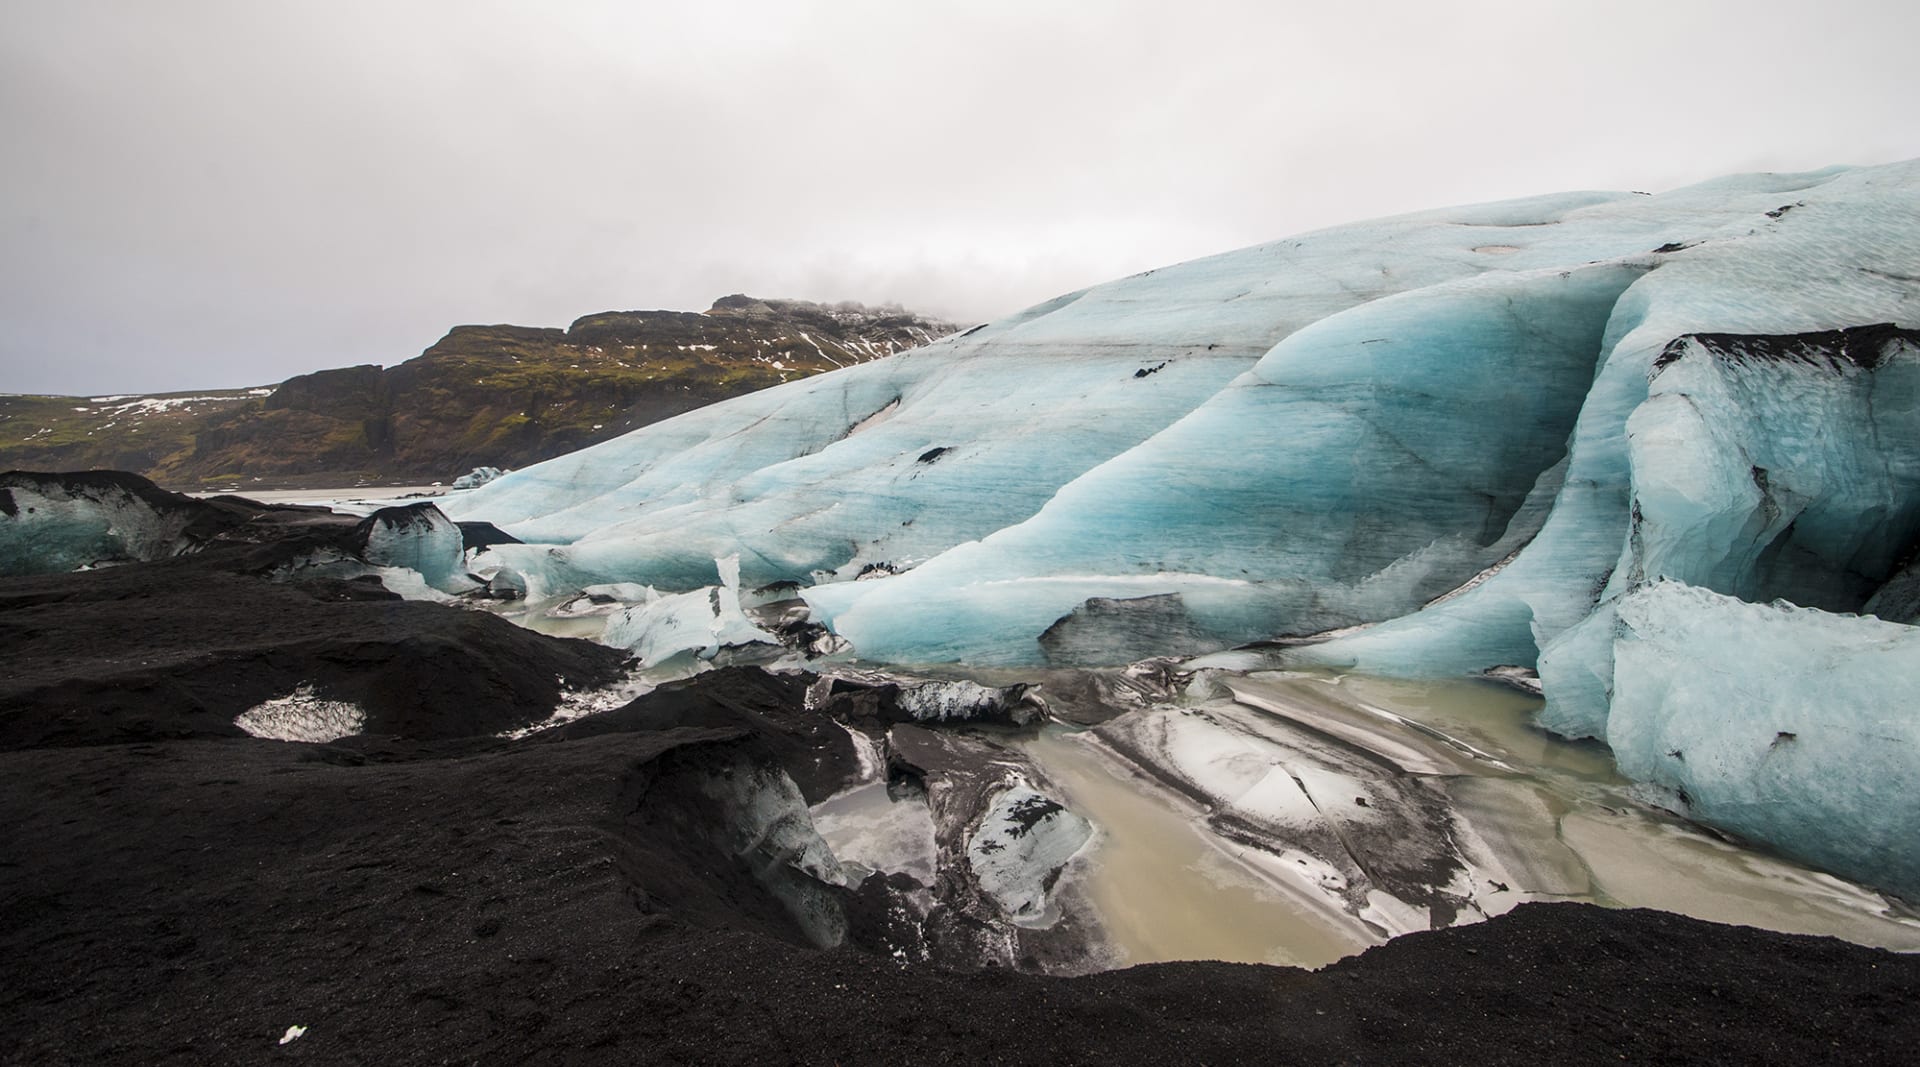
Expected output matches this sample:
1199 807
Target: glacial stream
1550 820
1534 817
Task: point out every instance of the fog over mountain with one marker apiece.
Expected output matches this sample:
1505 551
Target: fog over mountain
209 193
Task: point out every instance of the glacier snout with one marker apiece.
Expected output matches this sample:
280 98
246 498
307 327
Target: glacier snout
1484 437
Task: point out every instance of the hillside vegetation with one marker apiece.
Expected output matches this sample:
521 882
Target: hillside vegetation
502 396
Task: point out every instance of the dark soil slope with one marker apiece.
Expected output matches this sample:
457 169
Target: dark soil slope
187 902
178 647
173 892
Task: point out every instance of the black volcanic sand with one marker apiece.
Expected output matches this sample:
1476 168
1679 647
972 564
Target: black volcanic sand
176 648
172 892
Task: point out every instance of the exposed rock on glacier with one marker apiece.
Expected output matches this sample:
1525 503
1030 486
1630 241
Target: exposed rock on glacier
1468 433
1103 629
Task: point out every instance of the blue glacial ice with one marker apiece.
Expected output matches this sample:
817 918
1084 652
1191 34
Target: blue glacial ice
699 621
1781 723
1322 432
418 538
897 461
50 524
1431 445
1349 476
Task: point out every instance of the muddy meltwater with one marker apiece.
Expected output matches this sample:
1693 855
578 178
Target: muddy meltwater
1535 817
1163 887
1297 817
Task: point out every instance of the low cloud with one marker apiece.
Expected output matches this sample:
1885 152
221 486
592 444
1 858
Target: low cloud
204 193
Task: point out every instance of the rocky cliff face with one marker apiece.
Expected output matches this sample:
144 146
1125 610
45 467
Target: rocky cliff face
502 396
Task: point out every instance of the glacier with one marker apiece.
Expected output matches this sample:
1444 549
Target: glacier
1781 723
1449 443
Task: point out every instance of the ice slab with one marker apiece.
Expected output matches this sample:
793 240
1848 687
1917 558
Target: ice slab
50 524
1791 725
420 538
701 622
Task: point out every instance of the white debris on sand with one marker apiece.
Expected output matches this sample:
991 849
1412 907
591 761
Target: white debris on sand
578 704
302 716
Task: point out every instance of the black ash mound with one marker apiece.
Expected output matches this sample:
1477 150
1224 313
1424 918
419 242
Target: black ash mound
179 633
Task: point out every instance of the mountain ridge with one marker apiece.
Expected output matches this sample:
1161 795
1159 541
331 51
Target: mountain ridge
496 395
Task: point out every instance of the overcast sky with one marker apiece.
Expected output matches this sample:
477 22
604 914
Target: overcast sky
197 193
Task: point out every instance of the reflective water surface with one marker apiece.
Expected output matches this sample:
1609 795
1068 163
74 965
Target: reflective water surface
1537 818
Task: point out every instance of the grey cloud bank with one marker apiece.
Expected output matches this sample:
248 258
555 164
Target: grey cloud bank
204 194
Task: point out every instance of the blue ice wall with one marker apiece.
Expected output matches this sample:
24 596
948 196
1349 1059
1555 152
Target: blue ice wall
1834 250
1330 430
1369 462
1784 724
